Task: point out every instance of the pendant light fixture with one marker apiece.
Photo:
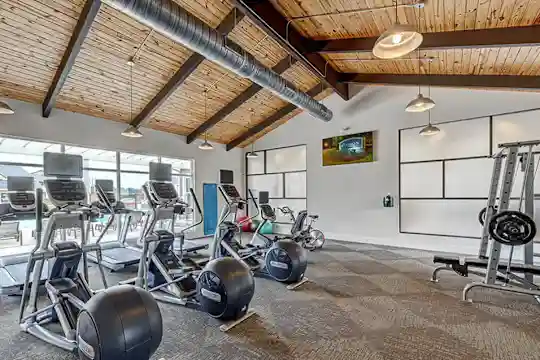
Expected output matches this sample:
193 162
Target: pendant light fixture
420 103
205 145
252 154
5 109
131 131
399 40
429 129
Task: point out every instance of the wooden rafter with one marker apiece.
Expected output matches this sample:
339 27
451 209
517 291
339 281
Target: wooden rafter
482 38
189 66
236 102
88 14
314 91
268 18
461 81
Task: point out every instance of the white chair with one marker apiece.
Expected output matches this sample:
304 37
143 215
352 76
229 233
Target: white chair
9 230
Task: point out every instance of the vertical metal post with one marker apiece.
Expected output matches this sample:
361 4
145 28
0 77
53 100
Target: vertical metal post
119 218
492 198
504 196
528 249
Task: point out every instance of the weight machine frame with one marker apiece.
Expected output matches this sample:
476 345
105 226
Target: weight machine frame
527 195
489 264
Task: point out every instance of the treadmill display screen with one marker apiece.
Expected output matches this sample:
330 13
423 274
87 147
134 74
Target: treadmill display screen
231 191
160 171
20 183
62 165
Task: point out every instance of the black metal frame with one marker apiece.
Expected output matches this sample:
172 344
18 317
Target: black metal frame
264 151
444 161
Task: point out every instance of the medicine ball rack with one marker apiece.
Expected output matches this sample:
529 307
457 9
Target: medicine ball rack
504 227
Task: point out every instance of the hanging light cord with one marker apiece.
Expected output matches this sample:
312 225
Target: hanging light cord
419 61
429 91
130 93
205 101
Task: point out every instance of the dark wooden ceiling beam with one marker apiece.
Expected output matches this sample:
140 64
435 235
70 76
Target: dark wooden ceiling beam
269 121
268 18
88 14
466 39
459 81
187 68
247 94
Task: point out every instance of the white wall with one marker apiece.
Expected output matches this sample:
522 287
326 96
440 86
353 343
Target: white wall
348 198
77 129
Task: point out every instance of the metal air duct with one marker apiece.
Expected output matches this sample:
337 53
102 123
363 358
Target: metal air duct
170 19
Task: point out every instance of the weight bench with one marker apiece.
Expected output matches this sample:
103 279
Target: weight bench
461 266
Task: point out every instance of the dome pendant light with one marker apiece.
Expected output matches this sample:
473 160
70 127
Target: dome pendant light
205 145
399 40
252 154
420 103
430 129
5 109
131 131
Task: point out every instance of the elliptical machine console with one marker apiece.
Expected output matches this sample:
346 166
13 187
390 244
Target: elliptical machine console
283 260
93 325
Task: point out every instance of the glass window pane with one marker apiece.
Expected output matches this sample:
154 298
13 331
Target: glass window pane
94 158
179 166
24 151
136 162
131 191
25 226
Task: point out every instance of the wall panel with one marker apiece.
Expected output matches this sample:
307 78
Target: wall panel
456 140
422 180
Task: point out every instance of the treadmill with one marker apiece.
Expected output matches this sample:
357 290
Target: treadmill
115 254
21 206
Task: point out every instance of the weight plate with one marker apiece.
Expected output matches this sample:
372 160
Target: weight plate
512 228
482 215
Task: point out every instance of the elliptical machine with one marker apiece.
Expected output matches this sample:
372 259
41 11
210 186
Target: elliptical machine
122 322
223 288
284 260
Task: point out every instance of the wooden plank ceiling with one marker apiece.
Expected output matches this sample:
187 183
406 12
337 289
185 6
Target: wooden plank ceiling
34 35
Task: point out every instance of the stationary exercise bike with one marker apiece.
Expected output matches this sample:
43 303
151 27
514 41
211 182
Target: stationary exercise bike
310 237
121 322
284 261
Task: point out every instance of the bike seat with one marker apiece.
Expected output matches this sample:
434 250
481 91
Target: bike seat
314 217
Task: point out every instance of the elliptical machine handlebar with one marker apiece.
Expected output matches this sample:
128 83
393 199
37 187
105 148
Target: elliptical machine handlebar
256 207
199 210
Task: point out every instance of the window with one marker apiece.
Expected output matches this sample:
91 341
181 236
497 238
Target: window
19 157
136 162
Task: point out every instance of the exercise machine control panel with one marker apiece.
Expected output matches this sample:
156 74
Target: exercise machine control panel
64 192
231 192
267 213
162 192
20 193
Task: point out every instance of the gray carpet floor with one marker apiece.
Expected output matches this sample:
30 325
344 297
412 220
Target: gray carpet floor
363 302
